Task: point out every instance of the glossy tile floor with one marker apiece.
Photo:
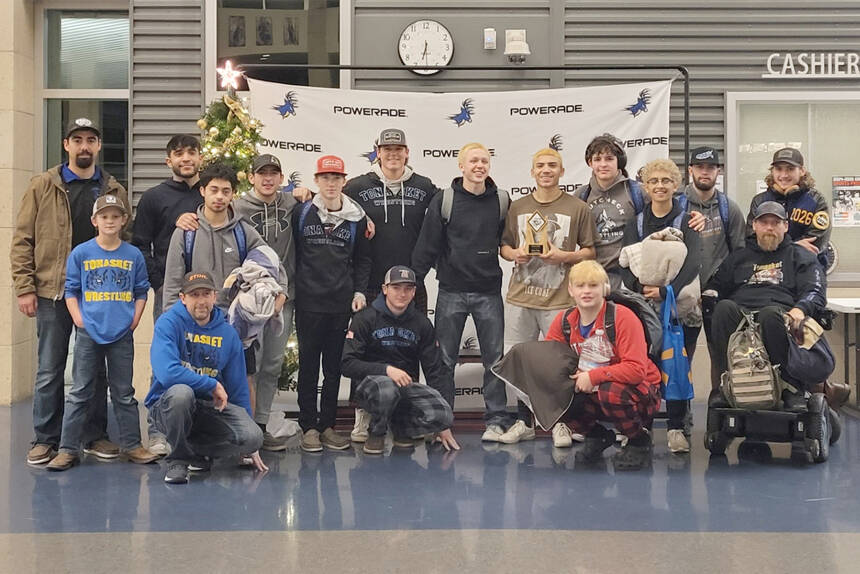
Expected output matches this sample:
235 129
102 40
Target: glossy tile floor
488 508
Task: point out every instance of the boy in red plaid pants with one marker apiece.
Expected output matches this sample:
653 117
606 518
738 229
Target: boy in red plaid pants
617 383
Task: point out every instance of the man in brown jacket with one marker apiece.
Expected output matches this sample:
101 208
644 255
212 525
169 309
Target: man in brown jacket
53 218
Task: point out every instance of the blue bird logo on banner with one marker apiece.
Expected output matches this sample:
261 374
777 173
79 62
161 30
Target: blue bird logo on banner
288 108
467 108
293 181
641 104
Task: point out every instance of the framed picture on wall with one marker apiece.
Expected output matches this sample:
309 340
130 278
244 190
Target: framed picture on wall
236 32
264 31
291 30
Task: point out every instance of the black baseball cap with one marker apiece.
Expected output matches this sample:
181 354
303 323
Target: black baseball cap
197 280
704 155
770 208
82 124
399 274
265 160
789 155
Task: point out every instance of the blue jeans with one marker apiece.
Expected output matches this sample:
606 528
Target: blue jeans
487 311
194 427
53 329
120 366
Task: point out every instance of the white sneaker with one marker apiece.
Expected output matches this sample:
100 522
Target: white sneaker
561 436
577 436
678 443
158 445
518 431
493 433
362 423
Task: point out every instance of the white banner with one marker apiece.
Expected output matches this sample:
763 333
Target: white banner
301 124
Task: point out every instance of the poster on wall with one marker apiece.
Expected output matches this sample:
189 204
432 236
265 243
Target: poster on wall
846 201
300 124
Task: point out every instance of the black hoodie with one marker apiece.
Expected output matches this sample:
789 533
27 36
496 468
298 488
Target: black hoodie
397 215
465 251
378 338
788 277
155 220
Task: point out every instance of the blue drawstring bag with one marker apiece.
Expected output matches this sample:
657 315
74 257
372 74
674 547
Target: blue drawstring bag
677 381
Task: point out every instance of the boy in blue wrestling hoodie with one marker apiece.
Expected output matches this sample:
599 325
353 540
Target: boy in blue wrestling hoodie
199 396
106 287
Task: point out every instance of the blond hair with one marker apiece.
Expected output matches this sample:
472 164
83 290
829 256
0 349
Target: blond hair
588 271
461 156
806 180
548 151
661 165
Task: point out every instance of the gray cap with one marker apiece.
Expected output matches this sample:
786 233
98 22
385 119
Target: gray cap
770 208
391 136
399 274
788 155
265 160
82 124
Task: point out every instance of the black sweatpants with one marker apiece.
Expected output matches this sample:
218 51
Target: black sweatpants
727 316
676 411
320 335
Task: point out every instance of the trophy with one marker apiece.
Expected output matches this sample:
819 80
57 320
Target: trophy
536 240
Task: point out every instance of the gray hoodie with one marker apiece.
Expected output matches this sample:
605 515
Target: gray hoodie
215 251
715 248
272 222
612 210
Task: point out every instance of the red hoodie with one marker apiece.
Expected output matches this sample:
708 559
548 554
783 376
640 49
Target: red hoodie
630 363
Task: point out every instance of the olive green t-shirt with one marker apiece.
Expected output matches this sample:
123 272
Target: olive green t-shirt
568 225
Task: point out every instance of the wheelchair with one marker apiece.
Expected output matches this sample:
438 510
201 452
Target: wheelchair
810 431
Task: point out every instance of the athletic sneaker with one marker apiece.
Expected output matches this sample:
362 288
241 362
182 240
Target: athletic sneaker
103 449
403 441
139 455
518 431
374 444
40 453
493 433
158 446
598 439
63 461
200 464
561 436
330 439
177 473
311 441
678 442
274 444
362 423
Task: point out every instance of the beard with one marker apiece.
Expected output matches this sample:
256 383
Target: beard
768 241
705 185
177 171
84 162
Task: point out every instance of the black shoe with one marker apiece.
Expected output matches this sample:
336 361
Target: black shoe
793 402
716 400
200 464
634 456
598 439
374 444
177 473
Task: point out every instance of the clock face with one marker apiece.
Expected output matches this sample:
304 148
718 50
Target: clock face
425 43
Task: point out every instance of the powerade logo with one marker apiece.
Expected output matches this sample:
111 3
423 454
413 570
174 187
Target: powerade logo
467 110
524 190
293 182
546 110
448 152
291 146
288 108
641 105
643 142
371 112
555 142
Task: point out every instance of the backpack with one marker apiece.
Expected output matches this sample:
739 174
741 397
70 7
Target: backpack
637 303
751 381
676 222
238 234
306 207
448 204
632 188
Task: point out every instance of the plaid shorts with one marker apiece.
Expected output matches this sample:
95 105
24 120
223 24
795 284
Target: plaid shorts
411 411
628 407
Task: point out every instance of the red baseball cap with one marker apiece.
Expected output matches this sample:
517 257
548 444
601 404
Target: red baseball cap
330 164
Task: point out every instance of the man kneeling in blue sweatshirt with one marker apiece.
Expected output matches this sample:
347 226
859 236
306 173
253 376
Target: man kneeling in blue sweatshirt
199 396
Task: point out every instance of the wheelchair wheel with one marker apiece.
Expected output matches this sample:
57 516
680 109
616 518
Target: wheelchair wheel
717 442
835 425
818 429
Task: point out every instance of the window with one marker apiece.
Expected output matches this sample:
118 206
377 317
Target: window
824 127
280 32
85 73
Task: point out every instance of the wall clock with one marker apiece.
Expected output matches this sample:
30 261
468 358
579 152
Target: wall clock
426 43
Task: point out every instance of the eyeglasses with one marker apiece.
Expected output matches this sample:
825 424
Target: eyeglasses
664 181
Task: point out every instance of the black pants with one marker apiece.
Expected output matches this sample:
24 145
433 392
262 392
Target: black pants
319 335
727 316
676 411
